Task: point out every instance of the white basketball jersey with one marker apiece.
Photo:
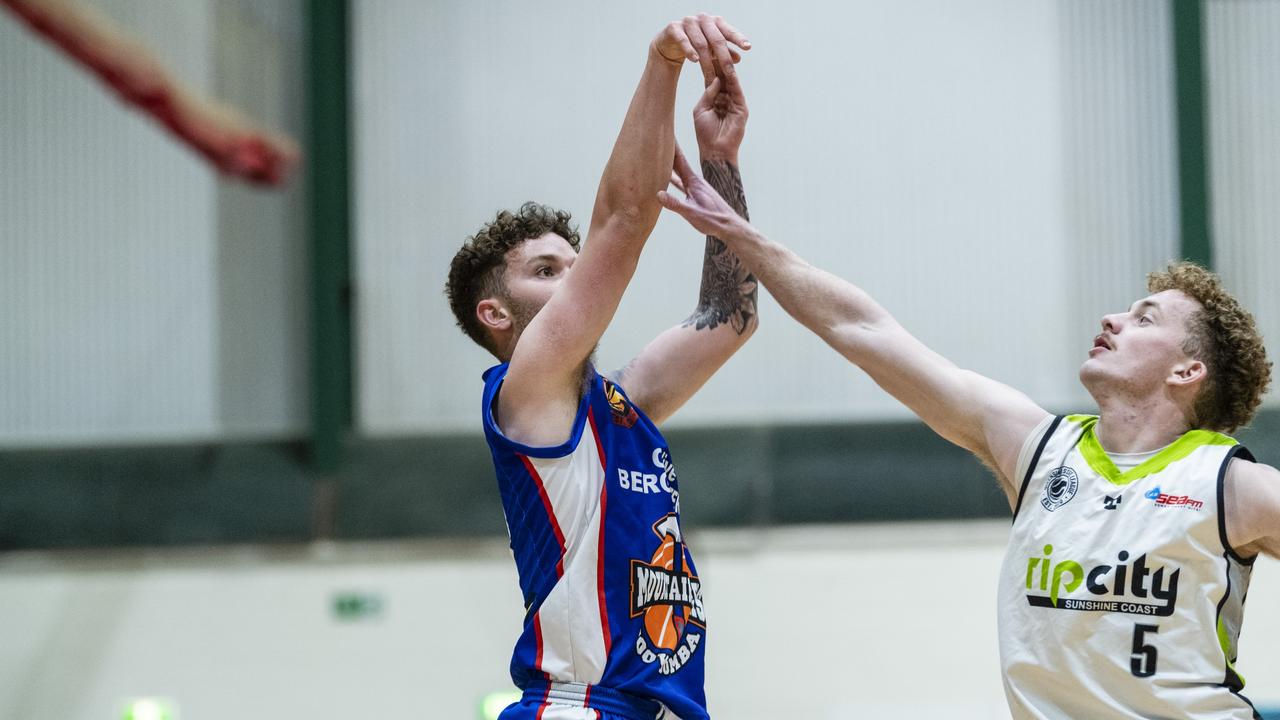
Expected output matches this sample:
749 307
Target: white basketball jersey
1119 595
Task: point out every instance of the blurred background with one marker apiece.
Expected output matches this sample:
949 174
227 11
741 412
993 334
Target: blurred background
241 468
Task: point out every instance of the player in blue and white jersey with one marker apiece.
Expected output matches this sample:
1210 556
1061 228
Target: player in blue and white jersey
1135 531
614 624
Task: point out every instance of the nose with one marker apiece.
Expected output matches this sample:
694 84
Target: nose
1111 324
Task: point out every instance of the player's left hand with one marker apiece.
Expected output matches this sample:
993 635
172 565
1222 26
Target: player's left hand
720 118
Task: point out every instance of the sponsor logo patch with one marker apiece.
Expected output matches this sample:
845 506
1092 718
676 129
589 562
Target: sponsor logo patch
620 408
1165 500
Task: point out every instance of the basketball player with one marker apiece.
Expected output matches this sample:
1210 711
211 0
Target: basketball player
614 624
1135 530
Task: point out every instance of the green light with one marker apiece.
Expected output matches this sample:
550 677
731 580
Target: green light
151 709
492 705
353 606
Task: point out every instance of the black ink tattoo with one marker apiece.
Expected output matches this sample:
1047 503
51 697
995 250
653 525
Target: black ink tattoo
728 293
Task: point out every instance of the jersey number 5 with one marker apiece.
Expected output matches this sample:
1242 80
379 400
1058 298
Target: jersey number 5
1142 663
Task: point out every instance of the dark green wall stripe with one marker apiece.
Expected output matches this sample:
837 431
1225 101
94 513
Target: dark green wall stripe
1193 140
444 486
327 163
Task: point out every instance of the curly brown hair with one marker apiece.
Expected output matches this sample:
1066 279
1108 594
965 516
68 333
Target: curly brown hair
1224 336
478 269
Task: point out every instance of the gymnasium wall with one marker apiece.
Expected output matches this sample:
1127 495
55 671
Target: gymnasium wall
147 301
144 299
1017 156
999 173
822 623
1244 111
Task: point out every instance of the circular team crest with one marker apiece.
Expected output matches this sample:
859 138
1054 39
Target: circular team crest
1060 488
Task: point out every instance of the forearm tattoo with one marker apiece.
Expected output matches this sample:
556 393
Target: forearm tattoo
728 293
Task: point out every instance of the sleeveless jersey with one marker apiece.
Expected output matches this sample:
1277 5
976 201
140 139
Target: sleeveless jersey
1119 595
611 594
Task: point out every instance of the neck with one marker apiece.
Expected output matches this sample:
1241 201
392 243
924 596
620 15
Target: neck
1126 425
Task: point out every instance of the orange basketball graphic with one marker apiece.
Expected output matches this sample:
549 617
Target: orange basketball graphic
666 596
665 623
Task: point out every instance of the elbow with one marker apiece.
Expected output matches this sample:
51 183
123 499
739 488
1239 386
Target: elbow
628 208
628 222
750 325
842 333
744 326
616 207
629 213
855 339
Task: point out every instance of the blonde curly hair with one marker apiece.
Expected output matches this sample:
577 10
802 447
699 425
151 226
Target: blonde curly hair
1224 336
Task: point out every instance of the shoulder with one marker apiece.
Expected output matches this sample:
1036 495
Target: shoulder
549 428
1253 478
1251 504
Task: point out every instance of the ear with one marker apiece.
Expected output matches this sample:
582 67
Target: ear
493 314
1187 373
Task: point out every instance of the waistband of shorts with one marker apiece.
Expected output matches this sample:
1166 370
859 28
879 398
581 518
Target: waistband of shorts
596 697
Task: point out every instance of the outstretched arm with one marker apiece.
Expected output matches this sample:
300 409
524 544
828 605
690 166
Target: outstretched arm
986 417
232 143
540 395
679 361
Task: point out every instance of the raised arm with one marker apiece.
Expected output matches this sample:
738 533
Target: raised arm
679 361
986 417
543 384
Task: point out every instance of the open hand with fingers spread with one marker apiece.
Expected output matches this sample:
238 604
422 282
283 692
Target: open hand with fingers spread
701 205
705 39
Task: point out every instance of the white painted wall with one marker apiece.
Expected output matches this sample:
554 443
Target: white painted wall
143 298
998 172
1244 154
822 623
1017 155
106 289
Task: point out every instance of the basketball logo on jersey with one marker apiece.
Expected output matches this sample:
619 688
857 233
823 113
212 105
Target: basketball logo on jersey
668 595
1060 488
620 409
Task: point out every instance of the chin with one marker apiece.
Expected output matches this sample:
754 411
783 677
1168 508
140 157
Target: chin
1090 374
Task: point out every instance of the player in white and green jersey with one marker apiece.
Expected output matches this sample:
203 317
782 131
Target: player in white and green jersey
1120 595
1124 583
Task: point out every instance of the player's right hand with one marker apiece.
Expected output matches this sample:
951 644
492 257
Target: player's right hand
705 39
702 206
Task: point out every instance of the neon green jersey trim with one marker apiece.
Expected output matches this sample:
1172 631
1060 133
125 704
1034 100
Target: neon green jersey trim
1225 642
1097 458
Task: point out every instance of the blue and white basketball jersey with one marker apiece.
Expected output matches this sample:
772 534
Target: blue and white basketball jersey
612 597
1120 596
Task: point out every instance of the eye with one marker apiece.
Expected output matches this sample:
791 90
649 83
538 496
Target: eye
1145 320
545 271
